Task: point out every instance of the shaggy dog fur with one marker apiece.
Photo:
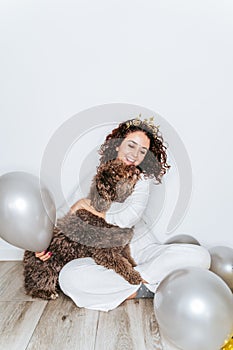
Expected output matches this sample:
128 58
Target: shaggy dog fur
83 234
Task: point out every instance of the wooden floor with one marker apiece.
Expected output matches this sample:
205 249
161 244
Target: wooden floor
34 324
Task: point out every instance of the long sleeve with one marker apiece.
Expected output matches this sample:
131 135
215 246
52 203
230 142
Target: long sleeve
127 214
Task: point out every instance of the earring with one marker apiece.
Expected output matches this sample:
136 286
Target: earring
117 149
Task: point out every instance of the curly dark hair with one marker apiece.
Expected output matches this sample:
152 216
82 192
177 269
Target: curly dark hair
154 165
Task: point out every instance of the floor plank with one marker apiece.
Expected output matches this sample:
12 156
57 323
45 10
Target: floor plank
34 324
149 325
167 345
17 323
64 326
5 266
131 326
11 283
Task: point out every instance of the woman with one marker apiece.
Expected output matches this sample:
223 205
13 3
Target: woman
92 286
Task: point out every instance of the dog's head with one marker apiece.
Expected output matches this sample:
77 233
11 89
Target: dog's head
114 181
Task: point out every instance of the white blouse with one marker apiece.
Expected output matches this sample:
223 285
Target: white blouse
130 212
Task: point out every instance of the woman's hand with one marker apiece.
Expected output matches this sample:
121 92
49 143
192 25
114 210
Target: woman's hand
43 256
85 203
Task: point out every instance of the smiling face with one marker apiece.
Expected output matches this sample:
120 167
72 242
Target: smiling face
133 148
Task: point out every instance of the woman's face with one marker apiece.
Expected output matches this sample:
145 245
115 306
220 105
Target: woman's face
133 148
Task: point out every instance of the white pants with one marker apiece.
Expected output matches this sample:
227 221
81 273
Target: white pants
95 287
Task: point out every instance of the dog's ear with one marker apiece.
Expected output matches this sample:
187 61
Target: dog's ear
124 189
103 188
128 176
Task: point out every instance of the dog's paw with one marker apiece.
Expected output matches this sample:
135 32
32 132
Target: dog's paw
43 294
134 278
54 296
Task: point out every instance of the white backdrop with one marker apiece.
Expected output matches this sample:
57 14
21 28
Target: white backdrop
174 57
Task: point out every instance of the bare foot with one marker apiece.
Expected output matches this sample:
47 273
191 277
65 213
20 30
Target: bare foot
132 296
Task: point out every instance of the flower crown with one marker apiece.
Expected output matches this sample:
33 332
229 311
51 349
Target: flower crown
148 122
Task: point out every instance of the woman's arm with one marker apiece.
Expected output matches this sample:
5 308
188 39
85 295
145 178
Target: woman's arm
85 203
127 214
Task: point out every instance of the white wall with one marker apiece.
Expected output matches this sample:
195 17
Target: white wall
174 57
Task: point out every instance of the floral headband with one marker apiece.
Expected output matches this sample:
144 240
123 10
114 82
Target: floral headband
148 122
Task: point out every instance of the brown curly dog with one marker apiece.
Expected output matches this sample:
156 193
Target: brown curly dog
83 234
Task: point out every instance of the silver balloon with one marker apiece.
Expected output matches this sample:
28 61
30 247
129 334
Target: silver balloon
194 309
27 211
182 239
222 263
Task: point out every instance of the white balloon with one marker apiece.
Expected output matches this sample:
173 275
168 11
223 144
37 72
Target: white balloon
182 239
27 211
222 263
194 309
